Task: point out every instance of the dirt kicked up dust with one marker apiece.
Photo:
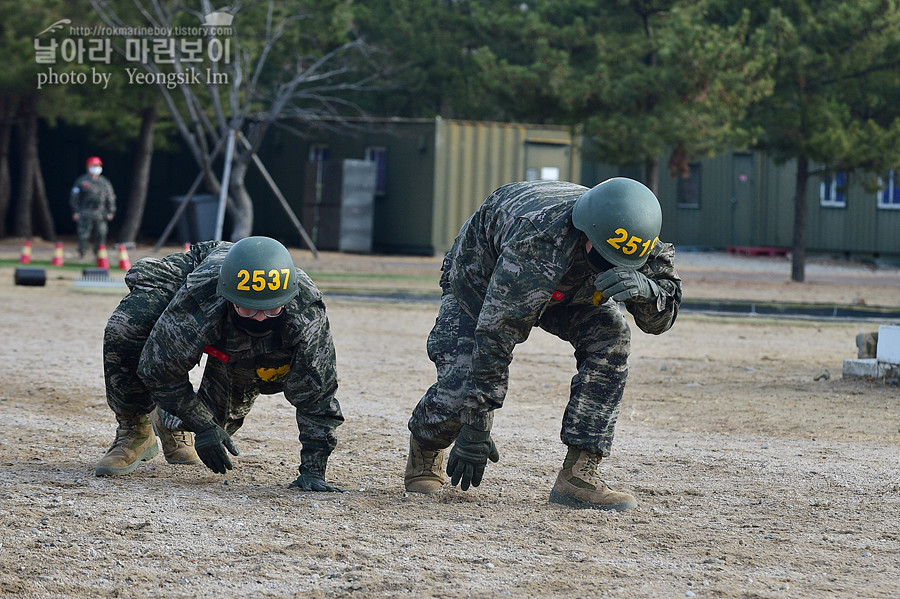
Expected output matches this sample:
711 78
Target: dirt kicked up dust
756 474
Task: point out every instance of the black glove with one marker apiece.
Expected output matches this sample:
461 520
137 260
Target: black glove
469 456
622 283
211 444
313 482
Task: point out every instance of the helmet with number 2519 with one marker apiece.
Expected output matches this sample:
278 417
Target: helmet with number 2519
258 273
621 218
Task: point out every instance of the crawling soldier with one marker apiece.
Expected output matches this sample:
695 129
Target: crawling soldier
262 323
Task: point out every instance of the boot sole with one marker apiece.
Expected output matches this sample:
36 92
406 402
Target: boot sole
148 454
572 501
183 462
425 491
423 484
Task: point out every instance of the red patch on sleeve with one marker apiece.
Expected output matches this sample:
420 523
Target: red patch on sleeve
209 349
557 295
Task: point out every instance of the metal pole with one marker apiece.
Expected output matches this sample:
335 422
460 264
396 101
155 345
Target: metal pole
181 208
280 196
223 190
187 198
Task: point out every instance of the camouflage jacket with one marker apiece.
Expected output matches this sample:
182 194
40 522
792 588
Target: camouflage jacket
92 199
520 254
298 358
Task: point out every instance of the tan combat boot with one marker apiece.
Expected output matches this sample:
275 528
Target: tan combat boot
424 469
578 485
134 443
177 444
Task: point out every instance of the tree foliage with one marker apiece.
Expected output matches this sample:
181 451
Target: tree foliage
638 77
816 81
429 45
836 100
21 107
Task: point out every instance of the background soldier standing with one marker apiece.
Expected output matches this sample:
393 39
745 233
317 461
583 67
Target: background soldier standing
93 203
558 256
262 323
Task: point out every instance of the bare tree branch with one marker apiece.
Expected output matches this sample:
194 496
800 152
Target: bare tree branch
310 86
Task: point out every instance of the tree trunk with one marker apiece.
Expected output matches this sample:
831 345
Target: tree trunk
7 113
798 260
28 151
651 172
242 214
239 203
46 227
140 179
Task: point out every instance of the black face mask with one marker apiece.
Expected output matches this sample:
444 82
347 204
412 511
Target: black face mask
598 262
256 328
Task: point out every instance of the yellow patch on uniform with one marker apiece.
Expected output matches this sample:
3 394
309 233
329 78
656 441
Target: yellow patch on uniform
273 374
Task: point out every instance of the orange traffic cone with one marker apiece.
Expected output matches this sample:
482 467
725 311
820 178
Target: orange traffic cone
187 247
57 255
102 257
25 257
124 262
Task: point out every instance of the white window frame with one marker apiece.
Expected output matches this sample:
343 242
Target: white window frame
829 194
889 191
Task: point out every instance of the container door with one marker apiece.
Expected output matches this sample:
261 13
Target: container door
743 200
547 162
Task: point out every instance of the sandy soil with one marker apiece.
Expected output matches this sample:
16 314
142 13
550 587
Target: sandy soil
759 471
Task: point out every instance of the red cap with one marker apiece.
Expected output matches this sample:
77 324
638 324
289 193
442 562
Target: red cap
94 161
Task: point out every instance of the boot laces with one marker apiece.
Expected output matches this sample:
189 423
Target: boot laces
182 437
122 433
428 460
588 470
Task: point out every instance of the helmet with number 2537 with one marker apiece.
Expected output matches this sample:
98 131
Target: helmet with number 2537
258 273
621 218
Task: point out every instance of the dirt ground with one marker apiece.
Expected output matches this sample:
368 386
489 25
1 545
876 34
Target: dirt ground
759 470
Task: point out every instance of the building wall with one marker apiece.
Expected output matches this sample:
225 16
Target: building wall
859 229
439 172
746 199
472 159
402 213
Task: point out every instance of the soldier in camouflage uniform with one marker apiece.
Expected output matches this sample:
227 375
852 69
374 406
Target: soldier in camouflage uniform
262 324
561 257
93 203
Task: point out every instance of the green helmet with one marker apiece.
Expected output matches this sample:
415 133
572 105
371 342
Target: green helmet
621 218
258 273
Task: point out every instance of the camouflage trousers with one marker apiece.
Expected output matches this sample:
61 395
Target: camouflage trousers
602 342
91 230
230 396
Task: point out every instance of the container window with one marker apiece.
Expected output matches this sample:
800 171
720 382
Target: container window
688 192
833 190
889 191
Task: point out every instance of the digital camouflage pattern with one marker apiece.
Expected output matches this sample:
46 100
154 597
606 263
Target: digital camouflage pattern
517 263
92 200
172 316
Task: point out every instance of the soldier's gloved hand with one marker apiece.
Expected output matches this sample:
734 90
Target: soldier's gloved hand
211 444
308 481
469 456
622 283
